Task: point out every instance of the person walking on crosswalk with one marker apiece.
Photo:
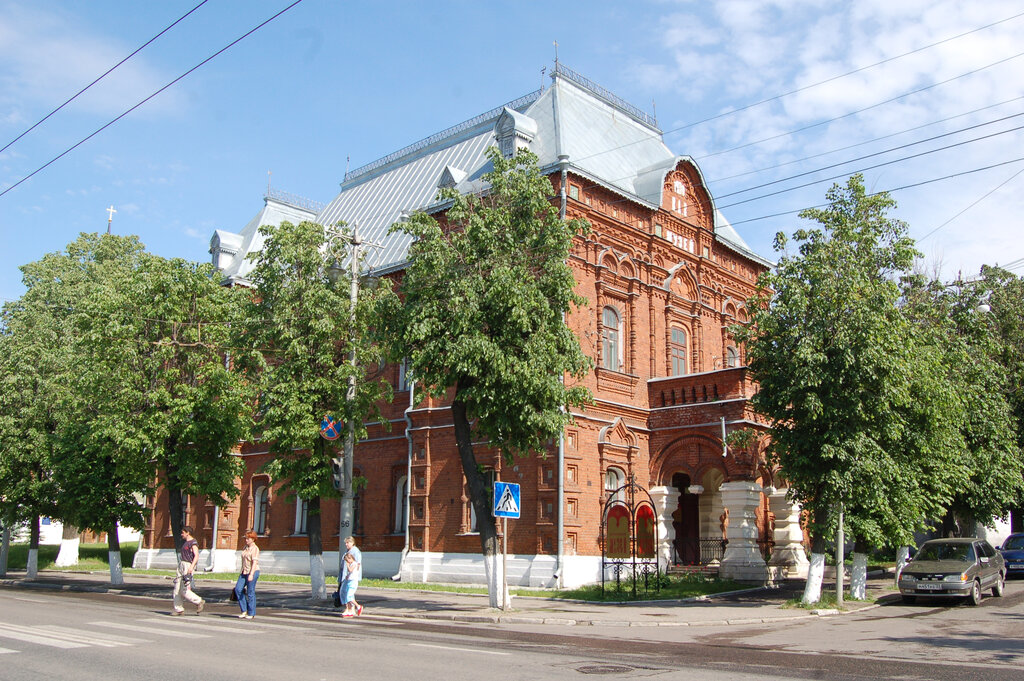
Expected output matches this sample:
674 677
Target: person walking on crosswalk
188 558
245 587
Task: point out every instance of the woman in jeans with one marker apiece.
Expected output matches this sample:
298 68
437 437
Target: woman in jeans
245 588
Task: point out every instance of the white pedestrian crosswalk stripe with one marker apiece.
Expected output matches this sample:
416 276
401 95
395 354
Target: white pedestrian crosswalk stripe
27 635
98 634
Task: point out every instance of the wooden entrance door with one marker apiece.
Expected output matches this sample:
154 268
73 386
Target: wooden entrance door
686 521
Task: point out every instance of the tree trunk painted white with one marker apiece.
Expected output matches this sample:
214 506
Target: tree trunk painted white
68 554
859 577
495 581
815 572
32 567
902 558
116 573
5 550
317 580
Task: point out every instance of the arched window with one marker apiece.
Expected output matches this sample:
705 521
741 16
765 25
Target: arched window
401 517
677 350
732 356
610 335
614 478
259 510
301 513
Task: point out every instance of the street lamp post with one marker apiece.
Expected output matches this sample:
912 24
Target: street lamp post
347 507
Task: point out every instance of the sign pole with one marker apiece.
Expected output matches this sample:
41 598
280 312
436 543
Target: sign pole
504 563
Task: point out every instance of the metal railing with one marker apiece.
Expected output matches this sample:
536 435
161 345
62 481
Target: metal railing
697 551
295 200
611 98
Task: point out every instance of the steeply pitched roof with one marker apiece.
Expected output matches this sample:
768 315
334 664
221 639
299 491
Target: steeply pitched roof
599 136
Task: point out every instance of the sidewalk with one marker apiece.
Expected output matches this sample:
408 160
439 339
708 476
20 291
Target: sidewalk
754 606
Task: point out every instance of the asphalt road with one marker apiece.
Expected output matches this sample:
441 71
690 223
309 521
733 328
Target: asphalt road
76 636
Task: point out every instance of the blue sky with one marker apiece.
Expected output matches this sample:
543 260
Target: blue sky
334 83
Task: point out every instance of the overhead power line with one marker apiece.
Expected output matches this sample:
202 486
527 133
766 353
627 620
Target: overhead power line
107 125
105 74
859 170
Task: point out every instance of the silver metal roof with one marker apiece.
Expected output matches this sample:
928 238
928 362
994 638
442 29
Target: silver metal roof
605 139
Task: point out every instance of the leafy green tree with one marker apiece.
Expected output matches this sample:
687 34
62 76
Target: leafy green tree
485 298
34 361
159 397
300 333
859 411
976 363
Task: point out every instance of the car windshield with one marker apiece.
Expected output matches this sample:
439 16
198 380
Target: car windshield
940 551
1014 543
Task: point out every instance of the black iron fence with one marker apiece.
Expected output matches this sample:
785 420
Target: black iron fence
707 551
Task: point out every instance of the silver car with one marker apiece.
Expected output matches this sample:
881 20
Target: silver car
953 567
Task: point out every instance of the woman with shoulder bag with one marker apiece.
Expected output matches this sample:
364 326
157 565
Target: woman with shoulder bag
245 588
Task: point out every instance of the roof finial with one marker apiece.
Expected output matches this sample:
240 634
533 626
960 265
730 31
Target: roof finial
556 51
543 70
268 182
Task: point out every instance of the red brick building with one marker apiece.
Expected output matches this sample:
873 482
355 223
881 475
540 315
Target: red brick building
665 276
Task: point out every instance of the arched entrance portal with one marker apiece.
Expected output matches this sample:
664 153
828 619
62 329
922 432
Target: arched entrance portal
700 519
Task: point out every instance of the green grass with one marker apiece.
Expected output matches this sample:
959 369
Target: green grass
90 556
672 588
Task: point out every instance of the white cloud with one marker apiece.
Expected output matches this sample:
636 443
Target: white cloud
768 49
46 57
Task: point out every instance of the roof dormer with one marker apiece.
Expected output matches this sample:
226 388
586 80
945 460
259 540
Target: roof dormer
514 131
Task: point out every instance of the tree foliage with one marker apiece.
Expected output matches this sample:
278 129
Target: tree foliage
951 321
160 399
298 335
859 409
485 298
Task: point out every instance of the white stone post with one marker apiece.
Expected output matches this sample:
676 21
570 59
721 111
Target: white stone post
788 555
742 560
666 501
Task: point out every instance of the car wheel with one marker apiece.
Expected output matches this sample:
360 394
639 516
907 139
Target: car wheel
997 588
909 600
975 596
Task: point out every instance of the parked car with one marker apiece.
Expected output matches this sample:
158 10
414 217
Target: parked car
1013 553
953 567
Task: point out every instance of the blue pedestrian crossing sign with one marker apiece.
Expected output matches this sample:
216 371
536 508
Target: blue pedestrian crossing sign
506 500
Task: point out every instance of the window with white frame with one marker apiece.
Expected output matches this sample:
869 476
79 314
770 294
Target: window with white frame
259 510
614 478
611 334
489 478
301 514
677 351
732 357
401 509
404 375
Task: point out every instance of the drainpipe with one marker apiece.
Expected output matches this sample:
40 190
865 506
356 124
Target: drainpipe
408 484
563 162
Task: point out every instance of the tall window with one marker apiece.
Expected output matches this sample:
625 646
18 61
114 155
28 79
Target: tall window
677 349
732 357
611 345
301 512
489 483
404 375
614 478
259 511
401 517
